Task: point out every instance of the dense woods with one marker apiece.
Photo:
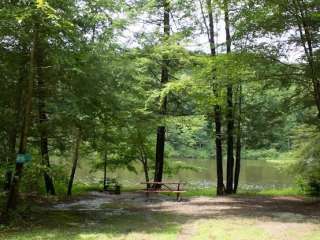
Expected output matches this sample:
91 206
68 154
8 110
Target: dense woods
133 84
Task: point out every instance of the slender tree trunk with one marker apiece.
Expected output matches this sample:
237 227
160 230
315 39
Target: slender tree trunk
11 157
230 140
75 160
13 133
144 161
163 109
26 122
146 174
105 172
219 155
13 138
159 155
230 120
306 37
314 69
238 142
314 74
43 123
217 109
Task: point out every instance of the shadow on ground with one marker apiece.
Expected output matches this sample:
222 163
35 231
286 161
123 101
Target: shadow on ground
102 216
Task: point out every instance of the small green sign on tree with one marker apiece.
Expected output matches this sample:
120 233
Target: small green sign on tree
23 158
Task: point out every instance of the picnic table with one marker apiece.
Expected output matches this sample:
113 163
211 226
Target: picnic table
164 187
112 186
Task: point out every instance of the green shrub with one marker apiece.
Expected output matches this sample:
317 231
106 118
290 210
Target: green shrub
313 187
262 154
308 165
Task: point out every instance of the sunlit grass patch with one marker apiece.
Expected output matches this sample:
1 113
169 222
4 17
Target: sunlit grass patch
273 192
253 229
229 230
70 225
208 192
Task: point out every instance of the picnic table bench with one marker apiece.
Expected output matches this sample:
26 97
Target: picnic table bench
168 188
112 186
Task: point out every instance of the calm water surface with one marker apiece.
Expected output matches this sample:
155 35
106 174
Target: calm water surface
254 174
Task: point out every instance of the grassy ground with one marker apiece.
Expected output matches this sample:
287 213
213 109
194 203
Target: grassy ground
243 229
273 192
130 216
156 226
211 192
74 226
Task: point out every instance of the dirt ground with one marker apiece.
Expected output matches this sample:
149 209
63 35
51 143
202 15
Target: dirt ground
134 216
199 206
275 215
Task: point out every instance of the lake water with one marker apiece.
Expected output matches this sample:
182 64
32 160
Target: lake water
255 174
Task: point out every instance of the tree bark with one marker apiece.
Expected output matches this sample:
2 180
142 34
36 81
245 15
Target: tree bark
144 161
217 109
13 133
306 38
146 174
238 142
26 122
12 155
75 160
43 123
159 155
219 156
105 172
163 108
230 120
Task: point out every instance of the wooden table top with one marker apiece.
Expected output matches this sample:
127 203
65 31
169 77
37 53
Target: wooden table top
162 183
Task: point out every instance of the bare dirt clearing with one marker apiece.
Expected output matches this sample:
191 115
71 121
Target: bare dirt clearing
233 206
134 216
280 217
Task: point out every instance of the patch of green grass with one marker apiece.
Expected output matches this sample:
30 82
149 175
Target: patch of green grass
155 226
79 189
133 224
274 192
69 225
134 188
229 230
314 235
211 192
207 192
249 229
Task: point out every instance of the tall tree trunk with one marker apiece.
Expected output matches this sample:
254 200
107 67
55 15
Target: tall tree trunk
14 132
26 122
306 38
12 156
163 109
230 120
144 161
75 160
217 109
238 141
105 172
43 123
219 155
146 174
159 155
